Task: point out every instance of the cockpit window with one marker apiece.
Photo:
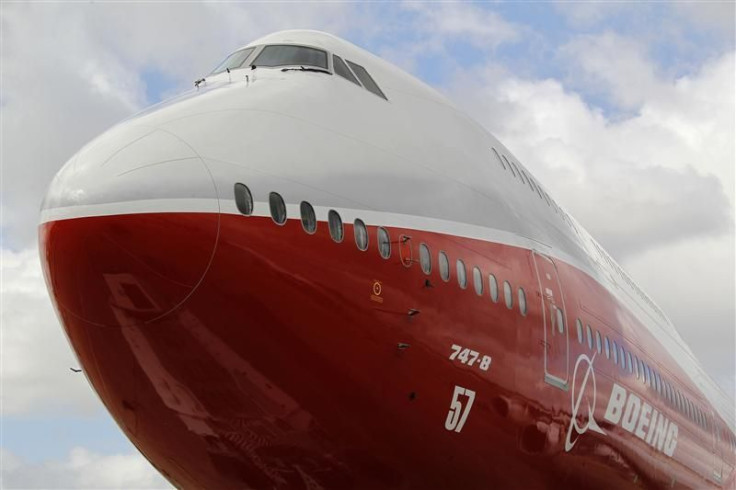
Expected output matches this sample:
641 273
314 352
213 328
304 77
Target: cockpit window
287 55
366 79
342 69
233 61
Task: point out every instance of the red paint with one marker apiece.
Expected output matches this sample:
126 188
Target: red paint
257 355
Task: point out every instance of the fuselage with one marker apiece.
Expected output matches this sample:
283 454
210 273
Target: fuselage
285 279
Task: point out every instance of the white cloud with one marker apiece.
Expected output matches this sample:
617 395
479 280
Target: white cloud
588 14
81 469
36 356
719 16
656 188
693 282
467 22
613 65
660 175
427 31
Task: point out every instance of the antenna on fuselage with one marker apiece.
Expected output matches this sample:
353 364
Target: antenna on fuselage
229 78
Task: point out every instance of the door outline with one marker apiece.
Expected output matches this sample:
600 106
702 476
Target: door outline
406 253
550 378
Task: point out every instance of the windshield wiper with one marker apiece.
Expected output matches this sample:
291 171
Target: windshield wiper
301 68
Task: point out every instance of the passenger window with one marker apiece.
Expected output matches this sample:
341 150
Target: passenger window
615 352
499 158
462 278
560 321
528 180
509 165
342 69
384 242
278 208
589 334
636 366
493 285
628 361
507 295
622 357
309 219
444 266
335 224
243 199
366 79
522 175
513 165
607 347
289 55
478 281
425 259
579 325
522 302
361 234
598 341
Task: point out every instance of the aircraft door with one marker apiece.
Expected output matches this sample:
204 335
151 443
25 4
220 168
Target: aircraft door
554 322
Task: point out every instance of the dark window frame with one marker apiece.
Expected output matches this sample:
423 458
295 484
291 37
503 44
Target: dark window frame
243 199
306 211
275 200
366 79
331 225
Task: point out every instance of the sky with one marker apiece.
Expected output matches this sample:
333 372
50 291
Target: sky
624 110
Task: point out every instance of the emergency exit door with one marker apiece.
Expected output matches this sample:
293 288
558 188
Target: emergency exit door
554 322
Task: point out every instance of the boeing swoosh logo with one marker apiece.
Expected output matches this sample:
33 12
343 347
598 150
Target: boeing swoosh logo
591 424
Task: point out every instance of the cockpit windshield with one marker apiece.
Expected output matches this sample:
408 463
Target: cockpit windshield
233 61
290 55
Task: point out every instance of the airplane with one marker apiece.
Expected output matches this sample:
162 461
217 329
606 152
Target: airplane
312 271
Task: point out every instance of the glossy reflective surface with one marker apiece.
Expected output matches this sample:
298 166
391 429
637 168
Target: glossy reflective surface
238 353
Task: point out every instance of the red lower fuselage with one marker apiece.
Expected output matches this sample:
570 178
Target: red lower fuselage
236 352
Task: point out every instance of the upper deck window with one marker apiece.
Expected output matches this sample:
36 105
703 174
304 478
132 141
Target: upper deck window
366 79
233 61
287 55
342 69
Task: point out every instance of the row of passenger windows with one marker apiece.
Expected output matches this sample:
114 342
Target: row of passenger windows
277 206
518 172
650 377
625 277
443 262
612 350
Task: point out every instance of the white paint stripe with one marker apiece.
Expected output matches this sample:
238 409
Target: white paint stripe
131 207
348 215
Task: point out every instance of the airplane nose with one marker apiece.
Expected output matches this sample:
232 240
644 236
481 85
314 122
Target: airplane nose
129 227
